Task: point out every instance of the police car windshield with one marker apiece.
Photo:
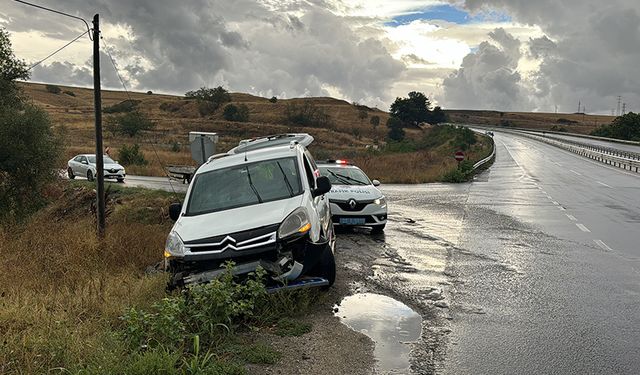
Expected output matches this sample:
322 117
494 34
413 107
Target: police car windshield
244 185
345 176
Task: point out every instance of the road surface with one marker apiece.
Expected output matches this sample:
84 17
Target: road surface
538 261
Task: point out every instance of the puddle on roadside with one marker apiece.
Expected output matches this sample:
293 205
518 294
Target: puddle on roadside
392 325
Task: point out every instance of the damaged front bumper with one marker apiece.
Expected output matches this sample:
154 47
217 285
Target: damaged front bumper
286 264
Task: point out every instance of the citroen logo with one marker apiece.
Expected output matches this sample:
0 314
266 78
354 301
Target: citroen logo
228 242
352 203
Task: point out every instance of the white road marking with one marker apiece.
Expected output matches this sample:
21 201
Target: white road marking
603 184
556 203
583 228
603 245
540 187
571 217
558 164
562 208
575 172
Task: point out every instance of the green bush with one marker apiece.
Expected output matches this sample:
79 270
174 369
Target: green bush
130 124
128 105
375 121
396 131
239 113
307 114
460 174
625 127
149 92
175 146
458 137
53 89
131 155
208 311
273 99
29 156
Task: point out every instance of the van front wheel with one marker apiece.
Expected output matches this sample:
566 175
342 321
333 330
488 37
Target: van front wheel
326 267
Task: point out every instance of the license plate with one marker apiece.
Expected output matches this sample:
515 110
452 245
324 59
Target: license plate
352 221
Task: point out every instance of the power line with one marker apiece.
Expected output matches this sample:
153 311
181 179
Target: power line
115 67
57 12
58 50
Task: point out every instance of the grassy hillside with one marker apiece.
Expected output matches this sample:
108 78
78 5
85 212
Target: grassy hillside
573 123
347 136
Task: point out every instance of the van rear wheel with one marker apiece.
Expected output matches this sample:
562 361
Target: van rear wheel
70 173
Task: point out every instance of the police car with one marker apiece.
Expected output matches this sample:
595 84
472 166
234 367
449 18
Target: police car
354 199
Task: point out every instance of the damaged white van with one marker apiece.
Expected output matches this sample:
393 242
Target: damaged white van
260 204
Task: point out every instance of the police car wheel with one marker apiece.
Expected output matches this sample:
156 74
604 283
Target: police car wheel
377 229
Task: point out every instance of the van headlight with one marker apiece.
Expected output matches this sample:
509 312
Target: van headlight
174 246
381 201
297 223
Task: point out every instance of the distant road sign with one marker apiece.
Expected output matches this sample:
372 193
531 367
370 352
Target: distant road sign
459 156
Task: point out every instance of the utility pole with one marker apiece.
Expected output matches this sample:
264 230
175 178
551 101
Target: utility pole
579 106
97 100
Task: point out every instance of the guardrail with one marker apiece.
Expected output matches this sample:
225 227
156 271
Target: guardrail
607 155
489 158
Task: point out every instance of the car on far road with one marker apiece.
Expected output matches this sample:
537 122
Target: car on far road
354 199
85 166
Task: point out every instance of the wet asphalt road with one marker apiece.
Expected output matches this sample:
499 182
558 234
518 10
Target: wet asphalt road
539 261
532 268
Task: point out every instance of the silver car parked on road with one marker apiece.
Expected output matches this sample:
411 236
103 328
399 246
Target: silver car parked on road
85 166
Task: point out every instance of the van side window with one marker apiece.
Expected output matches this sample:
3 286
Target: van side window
308 170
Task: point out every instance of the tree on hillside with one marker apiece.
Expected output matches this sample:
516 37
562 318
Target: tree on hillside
396 131
625 127
412 110
29 150
11 69
130 124
438 116
209 100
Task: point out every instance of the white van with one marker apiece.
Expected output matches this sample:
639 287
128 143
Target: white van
260 204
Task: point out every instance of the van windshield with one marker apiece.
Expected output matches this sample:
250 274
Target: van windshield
244 185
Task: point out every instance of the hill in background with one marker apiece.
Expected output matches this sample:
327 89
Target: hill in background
565 122
347 133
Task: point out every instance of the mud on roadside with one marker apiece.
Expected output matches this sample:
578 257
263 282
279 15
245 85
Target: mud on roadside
367 264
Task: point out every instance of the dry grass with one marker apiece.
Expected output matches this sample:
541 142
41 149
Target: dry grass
63 291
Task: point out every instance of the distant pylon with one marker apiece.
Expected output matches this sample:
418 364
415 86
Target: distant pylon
619 102
624 108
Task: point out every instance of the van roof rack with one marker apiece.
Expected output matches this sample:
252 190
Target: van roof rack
252 144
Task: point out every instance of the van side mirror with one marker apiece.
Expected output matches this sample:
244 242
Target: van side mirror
323 186
174 211
375 183
84 162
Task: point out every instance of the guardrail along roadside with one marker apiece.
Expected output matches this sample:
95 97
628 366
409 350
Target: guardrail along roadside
606 155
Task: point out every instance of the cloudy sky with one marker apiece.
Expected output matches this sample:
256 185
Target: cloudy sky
475 54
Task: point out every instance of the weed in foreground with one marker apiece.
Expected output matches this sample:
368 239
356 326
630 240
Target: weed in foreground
291 327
